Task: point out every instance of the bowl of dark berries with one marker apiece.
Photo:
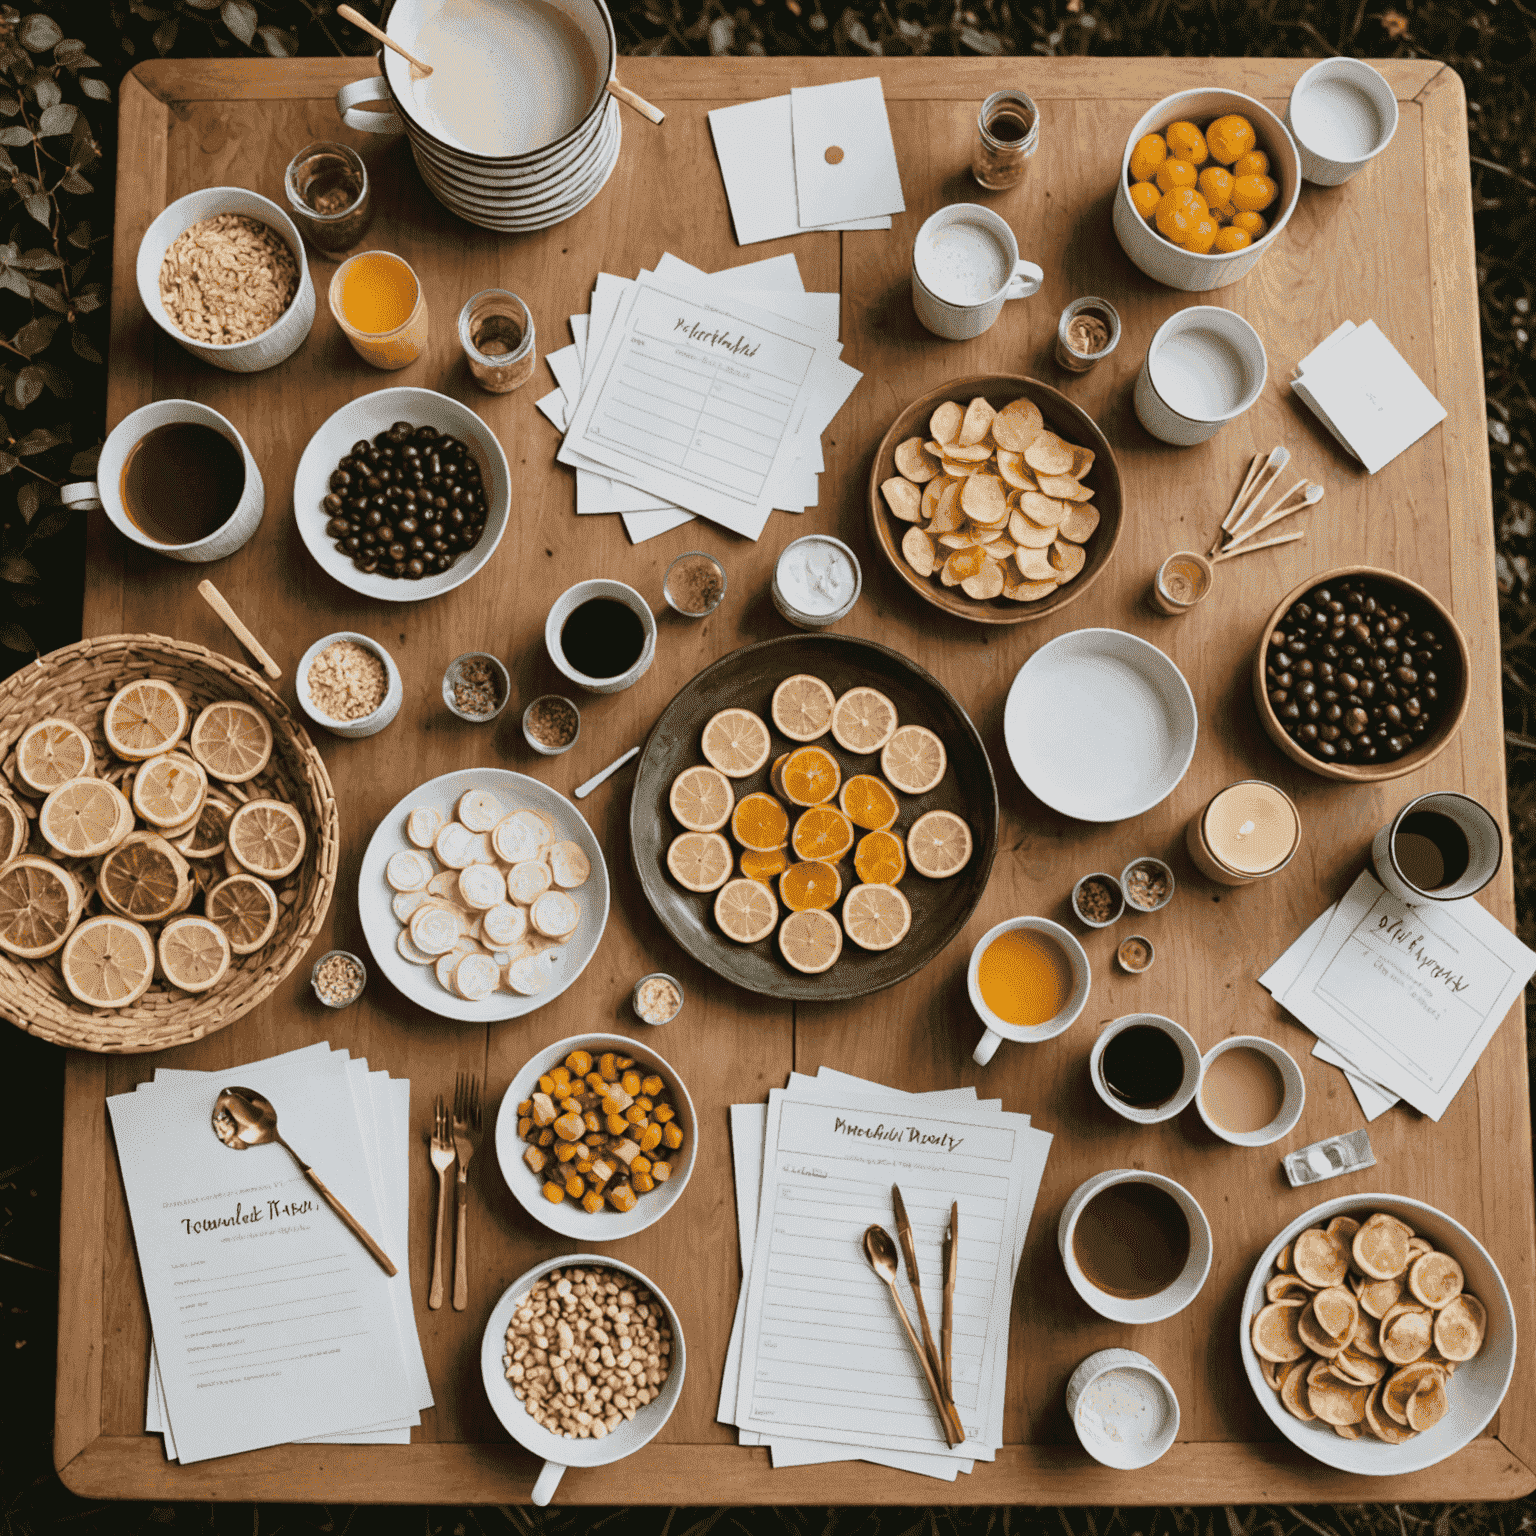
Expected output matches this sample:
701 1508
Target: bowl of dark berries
402 494
1361 675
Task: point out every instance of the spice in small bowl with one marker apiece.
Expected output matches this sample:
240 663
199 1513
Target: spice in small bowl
338 978
1097 900
1135 954
476 687
694 585
551 724
658 998
348 683
1148 884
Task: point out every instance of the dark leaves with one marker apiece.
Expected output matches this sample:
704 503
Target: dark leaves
54 522
14 638
97 90
281 44
48 93
45 294
16 137
39 32
82 347
84 462
73 181
19 571
80 235
240 17
59 118
35 335
37 260
25 388
40 206
29 500
164 37
41 439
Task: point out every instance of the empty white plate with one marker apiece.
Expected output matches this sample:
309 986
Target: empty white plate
1100 725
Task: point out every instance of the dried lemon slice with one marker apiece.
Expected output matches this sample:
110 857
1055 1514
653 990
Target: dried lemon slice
168 790
527 881
267 838
480 810
700 861
868 802
822 832
408 870
13 829
810 885
1406 1333
1293 1391
423 824
914 760
880 859
1378 1297
1400 1387
746 910
408 950
876 916
759 823
51 753
811 941
569 865
736 742
39 905
233 741
209 836
434 930
143 878
454 845
555 915
245 907
1337 1312
939 845
194 954
108 962
863 720
1428 1405
85 817
144 719
807 776
1315 1336
701 799
802 707
1435 1279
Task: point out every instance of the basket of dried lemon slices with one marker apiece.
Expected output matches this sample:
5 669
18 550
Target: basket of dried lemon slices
168 843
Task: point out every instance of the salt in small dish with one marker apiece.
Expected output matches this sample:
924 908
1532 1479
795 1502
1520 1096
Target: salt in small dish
635 1002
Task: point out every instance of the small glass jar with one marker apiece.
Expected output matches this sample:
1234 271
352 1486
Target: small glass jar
661 1003
1007 134
374 270
329 196
342 984
497 334
694 585
1078 346
550 712
1182 580
476 678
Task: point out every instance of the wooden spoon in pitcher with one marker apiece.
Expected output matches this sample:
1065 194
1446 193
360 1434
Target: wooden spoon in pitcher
419 71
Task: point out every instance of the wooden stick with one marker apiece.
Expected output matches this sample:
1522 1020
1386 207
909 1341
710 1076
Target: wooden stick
639 103
378 34
1300 505
1232 554
1279 501
215 600
1281 507
1242 495
1260 490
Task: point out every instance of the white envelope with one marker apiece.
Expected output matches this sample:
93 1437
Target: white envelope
845 158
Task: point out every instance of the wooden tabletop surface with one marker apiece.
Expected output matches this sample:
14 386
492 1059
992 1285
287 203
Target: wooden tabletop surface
1394 245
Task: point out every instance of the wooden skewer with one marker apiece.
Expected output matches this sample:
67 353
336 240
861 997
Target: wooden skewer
1232 554
1260 491
215 600
634 99
1242 495
378 34
1289 502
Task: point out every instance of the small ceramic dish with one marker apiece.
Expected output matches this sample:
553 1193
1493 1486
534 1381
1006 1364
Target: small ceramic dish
1132 1418
365 725
1154 867
1134 960
543 748
1111 885
501 686
339 954
634 997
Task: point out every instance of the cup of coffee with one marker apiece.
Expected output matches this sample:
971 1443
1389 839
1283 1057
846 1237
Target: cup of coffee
1028 981
177 478
1251 1091
1136 1245
601 635
1204 368
965 265
1440 847
1145 1067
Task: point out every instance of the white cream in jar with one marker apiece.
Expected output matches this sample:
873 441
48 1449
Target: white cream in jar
816 581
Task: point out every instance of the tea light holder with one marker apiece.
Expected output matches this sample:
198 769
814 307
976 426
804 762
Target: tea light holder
497 333
1184 579
1069 356
364 725
674 583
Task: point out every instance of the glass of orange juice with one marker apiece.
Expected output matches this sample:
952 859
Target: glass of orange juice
1028 980
379 303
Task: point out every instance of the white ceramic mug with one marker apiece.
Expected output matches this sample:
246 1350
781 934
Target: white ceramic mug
1291 1105
965 266
1485 848
998 1030
1342 114
1204 368
106 490
569 601
1189 1085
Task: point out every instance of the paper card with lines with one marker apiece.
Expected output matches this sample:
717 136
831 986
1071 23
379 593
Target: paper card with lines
823 1354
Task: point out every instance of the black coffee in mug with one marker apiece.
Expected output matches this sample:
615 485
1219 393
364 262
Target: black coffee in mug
181 482
1431 850
602 637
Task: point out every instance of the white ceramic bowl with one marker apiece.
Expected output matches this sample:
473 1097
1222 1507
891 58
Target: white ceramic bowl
1291 1106
1124 1455
1475 1391
568 1218
568 602
1100 725
558 1452
365 417
1193 1068
1205 367
285 336
998 1030
1342 114
368 725
1186 269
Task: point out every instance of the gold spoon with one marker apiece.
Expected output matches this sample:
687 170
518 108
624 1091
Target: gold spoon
880 1250
419 71
242 1118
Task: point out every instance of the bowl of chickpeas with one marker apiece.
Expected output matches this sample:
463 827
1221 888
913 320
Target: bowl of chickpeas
1207 182
596 1137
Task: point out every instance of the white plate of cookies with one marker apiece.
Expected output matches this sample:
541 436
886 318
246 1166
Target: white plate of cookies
483 894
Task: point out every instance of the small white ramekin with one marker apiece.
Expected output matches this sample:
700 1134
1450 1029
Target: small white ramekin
367 725
1119 1453
1290 1109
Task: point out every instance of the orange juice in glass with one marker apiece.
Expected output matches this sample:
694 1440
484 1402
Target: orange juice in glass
379 304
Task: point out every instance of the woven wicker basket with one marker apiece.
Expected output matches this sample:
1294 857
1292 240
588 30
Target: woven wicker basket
75 684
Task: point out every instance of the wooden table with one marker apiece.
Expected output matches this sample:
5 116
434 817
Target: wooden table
1394 245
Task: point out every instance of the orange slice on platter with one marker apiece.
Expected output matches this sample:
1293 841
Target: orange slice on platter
267 838
880 859
39 905
868 802
233 741
168 790
700 861
85 817
51 753
811 941
245 907
144 878
746 911
764 866
108 962
939 845
914 760
194 954
822 833
807 776
144 719
809 885
736 742
759 823
863 720
701 799
802 707
876 916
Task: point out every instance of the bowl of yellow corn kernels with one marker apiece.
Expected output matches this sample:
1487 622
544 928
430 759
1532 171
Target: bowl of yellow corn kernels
1208 180
596 1137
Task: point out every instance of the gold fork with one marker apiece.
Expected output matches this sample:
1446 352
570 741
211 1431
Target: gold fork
466 1137
442 1159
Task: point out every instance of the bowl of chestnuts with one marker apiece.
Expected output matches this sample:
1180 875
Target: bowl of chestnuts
1361 675
402 494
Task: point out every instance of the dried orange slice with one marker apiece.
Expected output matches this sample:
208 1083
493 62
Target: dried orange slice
880 859
194 954
736 742
876 916
108 962
143 878
939 845
822 833
811 941
760 823
914 760
267 838
810 884
85 817
39 904
168 790
746 911
863 720
701 799
144 719
245 907
802 707
51 753
210 836
808 776
764 866
233 741
13 829
700 861
868 802
1435 1279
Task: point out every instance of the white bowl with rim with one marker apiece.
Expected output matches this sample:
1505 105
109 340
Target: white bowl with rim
1189 1085
998 1029
584 592
1205 366
1114 1447
1291 1105
285 335
364 725
1342 114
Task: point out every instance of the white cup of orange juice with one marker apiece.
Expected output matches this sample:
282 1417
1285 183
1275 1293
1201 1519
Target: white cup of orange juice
1028 980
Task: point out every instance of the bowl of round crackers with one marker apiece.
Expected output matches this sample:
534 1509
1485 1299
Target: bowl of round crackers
996 498
1378 1334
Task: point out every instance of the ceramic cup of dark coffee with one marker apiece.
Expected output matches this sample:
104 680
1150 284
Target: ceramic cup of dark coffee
1136 1245
177 478
1145 1067
1439 847
601 635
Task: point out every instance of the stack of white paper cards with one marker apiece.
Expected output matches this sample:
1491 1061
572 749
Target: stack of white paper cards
686 394
1361 388
818 1367
1402 999
820 158
271 1320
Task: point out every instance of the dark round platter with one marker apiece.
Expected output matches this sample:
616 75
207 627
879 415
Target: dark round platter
746 679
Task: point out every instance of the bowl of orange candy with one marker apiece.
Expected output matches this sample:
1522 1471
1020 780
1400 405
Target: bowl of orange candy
1208 180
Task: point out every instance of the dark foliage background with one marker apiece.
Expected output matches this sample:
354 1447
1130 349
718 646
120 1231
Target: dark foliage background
59 67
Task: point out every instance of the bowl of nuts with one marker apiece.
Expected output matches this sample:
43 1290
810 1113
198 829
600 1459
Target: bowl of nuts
1361 675
596 1137
537 1351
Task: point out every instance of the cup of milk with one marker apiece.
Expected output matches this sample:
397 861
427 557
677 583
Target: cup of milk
965 266
1342 114
1204 368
